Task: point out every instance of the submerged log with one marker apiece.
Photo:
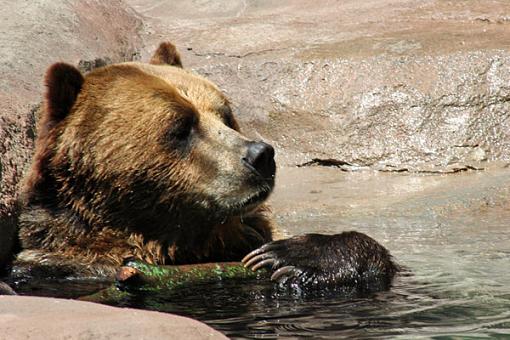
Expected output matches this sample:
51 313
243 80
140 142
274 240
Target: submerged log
138 276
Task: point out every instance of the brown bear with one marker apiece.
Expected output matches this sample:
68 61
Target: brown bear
147 161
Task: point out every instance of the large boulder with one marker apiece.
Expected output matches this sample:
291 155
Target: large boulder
391 83
24 317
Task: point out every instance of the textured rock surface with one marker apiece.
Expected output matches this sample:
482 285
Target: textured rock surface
398 82
33 35
43 318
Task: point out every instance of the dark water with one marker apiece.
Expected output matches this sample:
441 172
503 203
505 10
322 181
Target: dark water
455 239
431 306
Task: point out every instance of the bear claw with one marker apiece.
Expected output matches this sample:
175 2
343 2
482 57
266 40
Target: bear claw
269 261
258 261
263 249
284 273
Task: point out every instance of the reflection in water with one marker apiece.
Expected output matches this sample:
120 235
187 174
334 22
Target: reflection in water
429 305
451 232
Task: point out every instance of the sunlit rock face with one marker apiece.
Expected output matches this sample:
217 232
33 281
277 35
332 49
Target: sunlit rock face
405 84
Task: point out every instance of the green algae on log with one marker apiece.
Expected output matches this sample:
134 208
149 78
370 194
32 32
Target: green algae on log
140 276
108 296
143 276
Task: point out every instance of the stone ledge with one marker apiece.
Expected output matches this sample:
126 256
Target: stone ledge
23 317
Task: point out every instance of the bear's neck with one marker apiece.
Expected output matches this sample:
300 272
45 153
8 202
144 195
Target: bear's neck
92 217
62 234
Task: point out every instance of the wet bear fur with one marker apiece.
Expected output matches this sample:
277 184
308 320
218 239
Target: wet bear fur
346 260
146 161
141 161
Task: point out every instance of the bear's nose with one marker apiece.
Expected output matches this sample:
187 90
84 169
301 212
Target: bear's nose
260 157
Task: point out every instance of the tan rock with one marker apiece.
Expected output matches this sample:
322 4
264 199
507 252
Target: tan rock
397 82
23 317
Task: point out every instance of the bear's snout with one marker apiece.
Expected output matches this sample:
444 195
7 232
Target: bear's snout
260 158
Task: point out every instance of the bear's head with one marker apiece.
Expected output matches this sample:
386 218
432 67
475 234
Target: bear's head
136 144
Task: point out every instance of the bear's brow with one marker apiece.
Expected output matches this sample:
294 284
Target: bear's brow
174 101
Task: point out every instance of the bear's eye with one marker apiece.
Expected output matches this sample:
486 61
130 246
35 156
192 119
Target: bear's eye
227 116
181 131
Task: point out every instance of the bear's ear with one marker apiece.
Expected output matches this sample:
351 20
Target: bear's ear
166 54
63 84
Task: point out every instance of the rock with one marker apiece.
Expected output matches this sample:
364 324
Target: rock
478 154
5 289
399 82
23 317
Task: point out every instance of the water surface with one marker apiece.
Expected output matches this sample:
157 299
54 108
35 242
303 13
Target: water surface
450 231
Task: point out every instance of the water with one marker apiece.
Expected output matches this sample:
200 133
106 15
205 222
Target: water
450 231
